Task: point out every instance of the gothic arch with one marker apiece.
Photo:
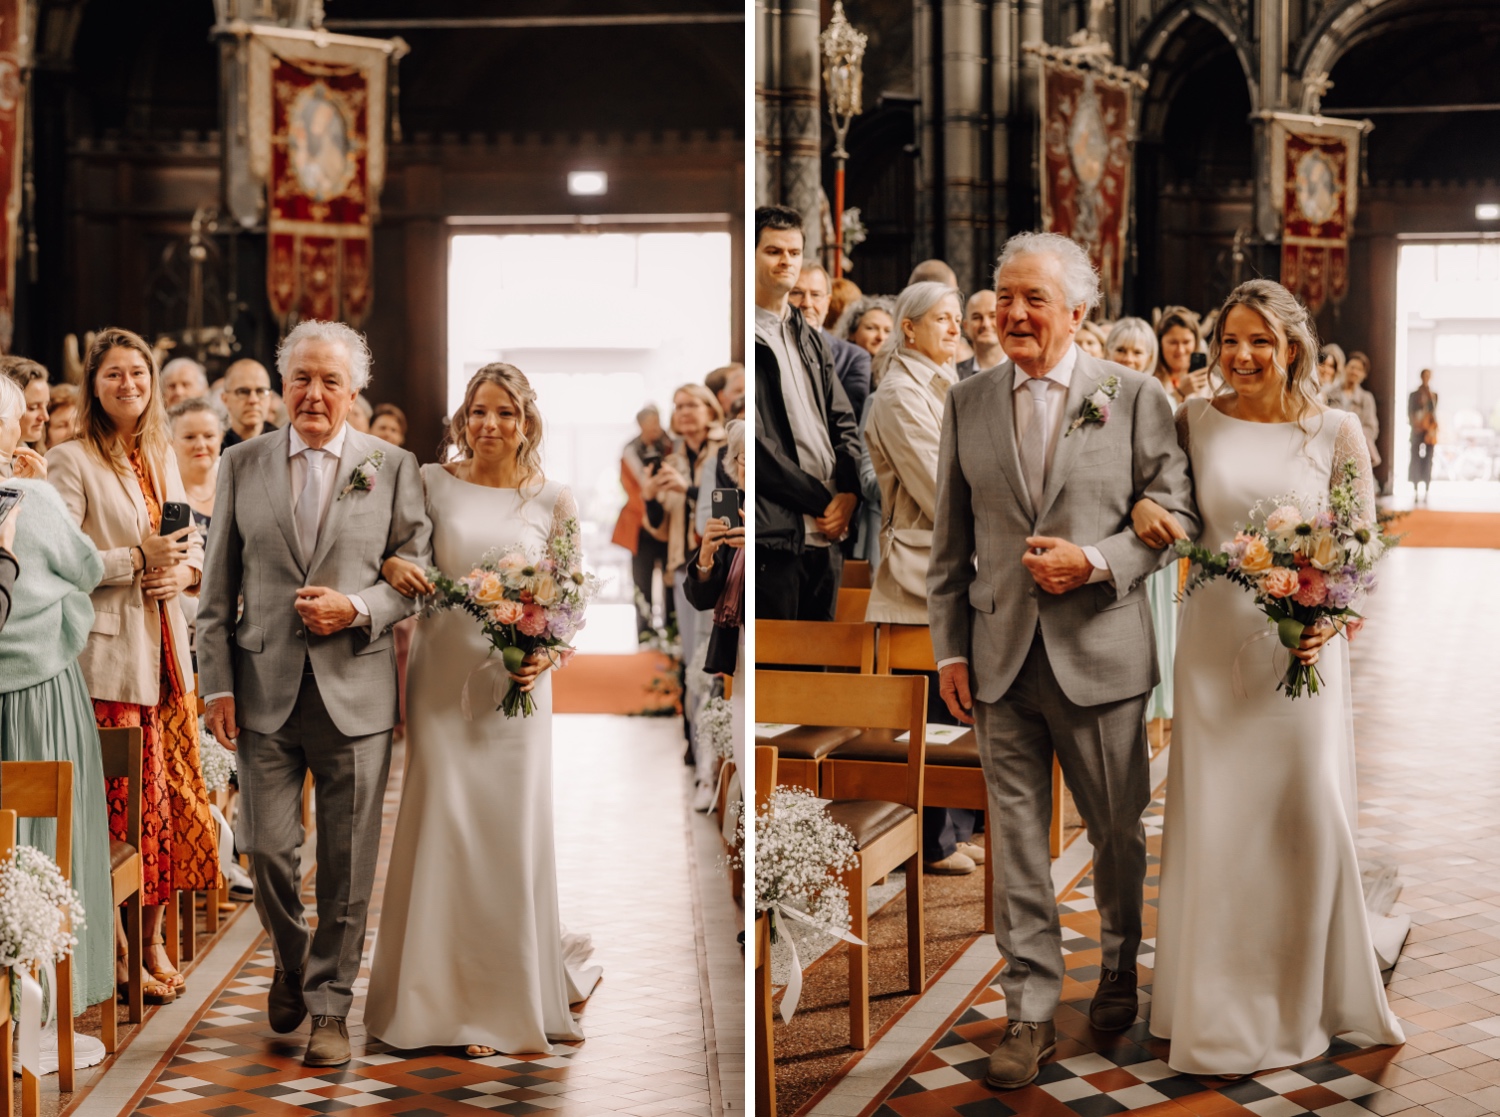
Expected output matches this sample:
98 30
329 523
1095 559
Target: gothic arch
1161 45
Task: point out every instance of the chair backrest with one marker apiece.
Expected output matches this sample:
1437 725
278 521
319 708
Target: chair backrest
816 644
765 774
856 575
865 701
904 647
122 760
851 605
42 789
7 840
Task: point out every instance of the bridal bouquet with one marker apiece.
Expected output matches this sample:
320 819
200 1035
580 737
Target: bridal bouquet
525 603
1303 561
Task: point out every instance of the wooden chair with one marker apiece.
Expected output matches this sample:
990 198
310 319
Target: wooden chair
857 575
883 810
44 789
852 604
7 1025
765 1042
812 644
122 760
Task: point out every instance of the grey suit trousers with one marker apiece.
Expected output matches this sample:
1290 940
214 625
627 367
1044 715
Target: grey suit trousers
1105 762
349 774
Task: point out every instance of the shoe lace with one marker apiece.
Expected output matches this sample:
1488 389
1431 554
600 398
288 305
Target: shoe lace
1015 1029
327 1021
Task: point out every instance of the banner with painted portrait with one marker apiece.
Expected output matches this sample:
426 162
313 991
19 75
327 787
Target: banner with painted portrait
1315 182
1086 163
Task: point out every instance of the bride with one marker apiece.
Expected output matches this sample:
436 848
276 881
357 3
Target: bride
1263 948
471 950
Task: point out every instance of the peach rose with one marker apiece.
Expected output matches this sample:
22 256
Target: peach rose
490 590
1257 558
1279 581
1326 552
507 612
544 590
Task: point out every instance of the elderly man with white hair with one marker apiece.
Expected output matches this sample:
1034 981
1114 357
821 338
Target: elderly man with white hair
182 378
304 679
1040 623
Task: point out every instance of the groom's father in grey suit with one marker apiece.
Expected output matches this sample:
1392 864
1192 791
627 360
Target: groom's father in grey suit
1040 623
302 678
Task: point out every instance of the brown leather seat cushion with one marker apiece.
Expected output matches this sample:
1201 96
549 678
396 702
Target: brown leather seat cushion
868 819
808 742
881 745
119 853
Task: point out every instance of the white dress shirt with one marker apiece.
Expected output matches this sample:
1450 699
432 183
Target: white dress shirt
334 449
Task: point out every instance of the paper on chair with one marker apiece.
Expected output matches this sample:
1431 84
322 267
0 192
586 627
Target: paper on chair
937 734
773 728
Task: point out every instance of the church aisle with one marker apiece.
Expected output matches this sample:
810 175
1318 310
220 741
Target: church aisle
636 872
1429 783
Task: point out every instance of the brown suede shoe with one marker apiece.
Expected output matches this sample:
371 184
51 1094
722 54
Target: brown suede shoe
285 1008
1115 1005
328 1046
1019 1057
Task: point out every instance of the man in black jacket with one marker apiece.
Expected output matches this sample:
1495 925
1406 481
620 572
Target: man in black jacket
806 440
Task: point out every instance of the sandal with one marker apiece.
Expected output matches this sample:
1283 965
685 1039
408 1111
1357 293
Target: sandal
479 1051
153 992
172 978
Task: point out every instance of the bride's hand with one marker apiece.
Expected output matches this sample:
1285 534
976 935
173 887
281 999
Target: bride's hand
1314 636
406 578
1154 525
531 669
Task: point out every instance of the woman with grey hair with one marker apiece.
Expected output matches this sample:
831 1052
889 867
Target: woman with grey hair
1132 343
868 322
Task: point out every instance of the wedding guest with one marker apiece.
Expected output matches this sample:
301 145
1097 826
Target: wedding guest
983 335
867 323
851 364
361 414
1132 343
1177 339
44 703
901 442
647 545
62 415
1091 340
937 271
389 423
1330 367
247 398
1421 413
31 378
115 479
182 378
807 443
1348 393
727 384
197 438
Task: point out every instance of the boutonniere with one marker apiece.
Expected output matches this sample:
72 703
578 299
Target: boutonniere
1095 408
362 480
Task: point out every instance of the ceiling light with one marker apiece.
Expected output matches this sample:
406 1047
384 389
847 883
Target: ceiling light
1484 211
597 182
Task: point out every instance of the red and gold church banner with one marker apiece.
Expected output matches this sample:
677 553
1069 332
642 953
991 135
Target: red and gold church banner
1315 177
1086 166
317 139
12 152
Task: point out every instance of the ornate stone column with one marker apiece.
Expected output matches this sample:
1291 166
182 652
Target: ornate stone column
800 81
964 194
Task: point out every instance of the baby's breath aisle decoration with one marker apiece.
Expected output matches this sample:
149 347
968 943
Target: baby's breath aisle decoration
218 763
38 912
800 856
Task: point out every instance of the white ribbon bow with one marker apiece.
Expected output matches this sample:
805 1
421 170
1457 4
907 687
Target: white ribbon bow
793 992
33 1020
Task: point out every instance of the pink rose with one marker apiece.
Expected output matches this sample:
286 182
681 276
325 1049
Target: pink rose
1312 586
533 621
1279 581
507 612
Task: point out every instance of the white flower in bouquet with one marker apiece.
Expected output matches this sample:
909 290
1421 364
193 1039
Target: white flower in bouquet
218 763
34 898
800 856
715 727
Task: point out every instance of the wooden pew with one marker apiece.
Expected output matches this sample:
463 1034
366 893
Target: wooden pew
121 750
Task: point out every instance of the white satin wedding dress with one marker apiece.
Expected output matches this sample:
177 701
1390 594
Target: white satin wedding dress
1263 941
470 948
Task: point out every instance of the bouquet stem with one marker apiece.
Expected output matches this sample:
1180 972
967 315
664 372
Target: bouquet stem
517 701
1300 678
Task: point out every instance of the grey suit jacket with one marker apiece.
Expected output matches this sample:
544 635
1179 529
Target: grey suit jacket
982 602
253 552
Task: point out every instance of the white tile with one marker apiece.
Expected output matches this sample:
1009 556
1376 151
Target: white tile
1285 1081
1153 1071
1138 1097
1070 1088
1091 1063
959 1053
1275 1107
1351 1086
942 1076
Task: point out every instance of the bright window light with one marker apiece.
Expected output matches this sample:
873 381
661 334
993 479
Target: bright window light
597 182
1484 211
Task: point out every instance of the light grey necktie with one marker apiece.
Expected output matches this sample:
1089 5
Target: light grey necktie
310 502
1034 443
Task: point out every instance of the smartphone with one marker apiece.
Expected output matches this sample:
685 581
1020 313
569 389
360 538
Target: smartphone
9 499
651 459
1198 362
726 504
175 515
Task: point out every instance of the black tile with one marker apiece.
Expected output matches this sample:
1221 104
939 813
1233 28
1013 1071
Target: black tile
395 1093
1053 1072
327 1105
1084 973
526 1080
213 1089
1247 1090
1320 1071
1095 1105
252 1069
274 1090
908 1086
341 1075
950 1039
433 1072
985 1107
459 1093
974 1069
229 1111
1180 1086
523 1108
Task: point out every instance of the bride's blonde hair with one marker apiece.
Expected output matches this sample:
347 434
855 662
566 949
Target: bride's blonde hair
512 381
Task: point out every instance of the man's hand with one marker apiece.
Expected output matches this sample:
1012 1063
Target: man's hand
324 611
1055 564
953 685
834 522
220 720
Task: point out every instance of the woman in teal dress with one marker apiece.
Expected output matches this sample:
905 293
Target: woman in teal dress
45 710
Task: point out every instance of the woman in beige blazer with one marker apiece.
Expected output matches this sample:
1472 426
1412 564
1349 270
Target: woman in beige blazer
115 479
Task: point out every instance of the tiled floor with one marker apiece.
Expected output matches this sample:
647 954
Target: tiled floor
1428 726
629 860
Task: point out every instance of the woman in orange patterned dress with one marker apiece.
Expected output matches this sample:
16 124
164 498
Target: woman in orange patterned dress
115 478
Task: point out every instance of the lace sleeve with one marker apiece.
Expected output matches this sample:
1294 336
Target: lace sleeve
1350 446
564 539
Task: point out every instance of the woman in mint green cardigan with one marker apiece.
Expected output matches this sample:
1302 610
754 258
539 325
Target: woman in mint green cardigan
45 711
